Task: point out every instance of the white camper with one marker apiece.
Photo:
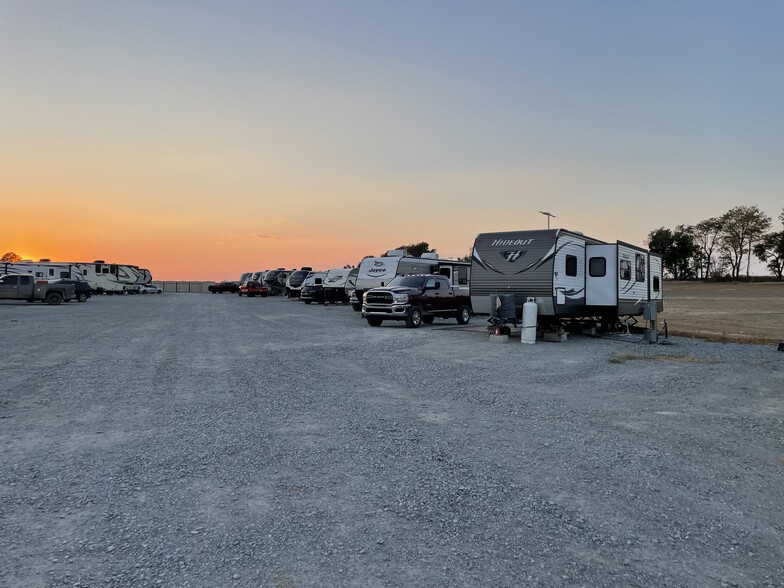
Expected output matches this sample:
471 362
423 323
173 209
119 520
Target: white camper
338 283
43 270
375 272
568 274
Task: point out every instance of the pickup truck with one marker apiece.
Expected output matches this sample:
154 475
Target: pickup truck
251 289
416 299
221 287
25 287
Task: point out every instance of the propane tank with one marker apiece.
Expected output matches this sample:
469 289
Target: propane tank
528 332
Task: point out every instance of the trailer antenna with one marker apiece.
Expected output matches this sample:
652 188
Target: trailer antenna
548 215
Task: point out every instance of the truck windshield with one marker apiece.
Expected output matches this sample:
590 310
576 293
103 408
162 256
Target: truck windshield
407 281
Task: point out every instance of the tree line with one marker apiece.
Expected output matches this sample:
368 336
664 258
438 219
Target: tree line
722 246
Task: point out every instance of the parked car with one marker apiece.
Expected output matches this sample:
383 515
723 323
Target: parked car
221 287
148 289
82 289
313 288
251 289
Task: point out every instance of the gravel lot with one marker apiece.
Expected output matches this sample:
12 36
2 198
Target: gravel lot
203 440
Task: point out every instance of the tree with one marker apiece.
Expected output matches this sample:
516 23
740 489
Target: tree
417 249
10 257
771 249
743 226
707 237
677 249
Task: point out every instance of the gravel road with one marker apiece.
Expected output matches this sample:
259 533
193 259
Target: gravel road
208 440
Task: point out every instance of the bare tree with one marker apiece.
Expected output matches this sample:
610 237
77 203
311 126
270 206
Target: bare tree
707 239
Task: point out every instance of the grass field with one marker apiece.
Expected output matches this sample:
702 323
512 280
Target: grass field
733 311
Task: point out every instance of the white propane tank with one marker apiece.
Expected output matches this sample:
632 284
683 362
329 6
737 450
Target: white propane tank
528 332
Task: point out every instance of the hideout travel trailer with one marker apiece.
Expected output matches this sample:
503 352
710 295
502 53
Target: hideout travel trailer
111 278
568 274
338 283
377 271
43 270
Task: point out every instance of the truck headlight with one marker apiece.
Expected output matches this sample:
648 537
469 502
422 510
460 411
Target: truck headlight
400 298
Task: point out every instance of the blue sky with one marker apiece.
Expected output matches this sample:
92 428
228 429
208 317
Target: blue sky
353 127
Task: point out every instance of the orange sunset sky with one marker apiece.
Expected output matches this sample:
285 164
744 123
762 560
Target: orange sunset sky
202 139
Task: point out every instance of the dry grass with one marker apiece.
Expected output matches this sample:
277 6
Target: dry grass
624 357
725 312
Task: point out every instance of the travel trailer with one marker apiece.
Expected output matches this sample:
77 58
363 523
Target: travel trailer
375 272
112 278
43 270
568 274
275 280
338 284
295 280
247 276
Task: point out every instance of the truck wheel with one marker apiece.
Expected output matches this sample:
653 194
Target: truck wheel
414 318
428 320
463 315
54 298
374 321
81 297
307 301
356 307
251 295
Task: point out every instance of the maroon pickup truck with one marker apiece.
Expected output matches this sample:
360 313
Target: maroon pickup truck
416 300
251 289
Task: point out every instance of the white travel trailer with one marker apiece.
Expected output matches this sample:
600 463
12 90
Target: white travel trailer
338 284
43 270
112 278
295 281
377 271
568 274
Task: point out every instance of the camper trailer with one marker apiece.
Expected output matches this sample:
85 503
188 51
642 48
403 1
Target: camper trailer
275 280
295 280
43 270
111 278
338 284
568 274
377 271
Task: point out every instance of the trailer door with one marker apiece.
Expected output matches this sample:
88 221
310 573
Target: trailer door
600 283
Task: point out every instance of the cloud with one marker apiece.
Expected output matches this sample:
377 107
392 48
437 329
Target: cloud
263 236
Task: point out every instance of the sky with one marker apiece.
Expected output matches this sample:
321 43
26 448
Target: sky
203 139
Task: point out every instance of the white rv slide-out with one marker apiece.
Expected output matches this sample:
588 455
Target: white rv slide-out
569 274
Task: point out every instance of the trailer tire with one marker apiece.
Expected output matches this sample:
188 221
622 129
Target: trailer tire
81 297
374 321
54 298
428 320
463 315
414 317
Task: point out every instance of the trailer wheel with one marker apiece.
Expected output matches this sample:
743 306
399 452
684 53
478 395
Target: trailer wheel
428 320
81 297
414 318
54 298
374 321
463 315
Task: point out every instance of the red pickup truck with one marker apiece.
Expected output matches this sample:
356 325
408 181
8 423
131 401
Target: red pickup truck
251 289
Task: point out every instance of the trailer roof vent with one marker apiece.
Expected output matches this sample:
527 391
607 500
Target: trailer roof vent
396 253
430 255
306 268
99 261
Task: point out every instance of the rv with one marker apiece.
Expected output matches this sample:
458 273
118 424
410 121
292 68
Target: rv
375 272
295 280
275 280
247 276
43 270
568 274
338 284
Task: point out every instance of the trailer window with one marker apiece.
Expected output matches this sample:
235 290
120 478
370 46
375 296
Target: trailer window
640 273
655 283
626 269
65 274
597 267
571 265
51 271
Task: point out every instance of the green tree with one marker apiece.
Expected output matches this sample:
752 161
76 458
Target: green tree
707 235
743 227
771 250
10 257
677 249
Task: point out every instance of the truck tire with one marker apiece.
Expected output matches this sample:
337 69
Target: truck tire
81 297
414 317
54 298
428 320
307 301
374 321
356 307
251 295
239 294
463 315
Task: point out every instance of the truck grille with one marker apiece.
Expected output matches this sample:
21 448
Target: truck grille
379 298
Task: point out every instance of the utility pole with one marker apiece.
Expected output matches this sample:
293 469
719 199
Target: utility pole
548 215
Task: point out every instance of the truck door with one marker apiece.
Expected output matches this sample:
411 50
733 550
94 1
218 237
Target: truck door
430 298
9 287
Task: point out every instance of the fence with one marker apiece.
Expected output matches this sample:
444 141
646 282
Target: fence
191 287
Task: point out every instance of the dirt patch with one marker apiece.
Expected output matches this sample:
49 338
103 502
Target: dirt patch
624 357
